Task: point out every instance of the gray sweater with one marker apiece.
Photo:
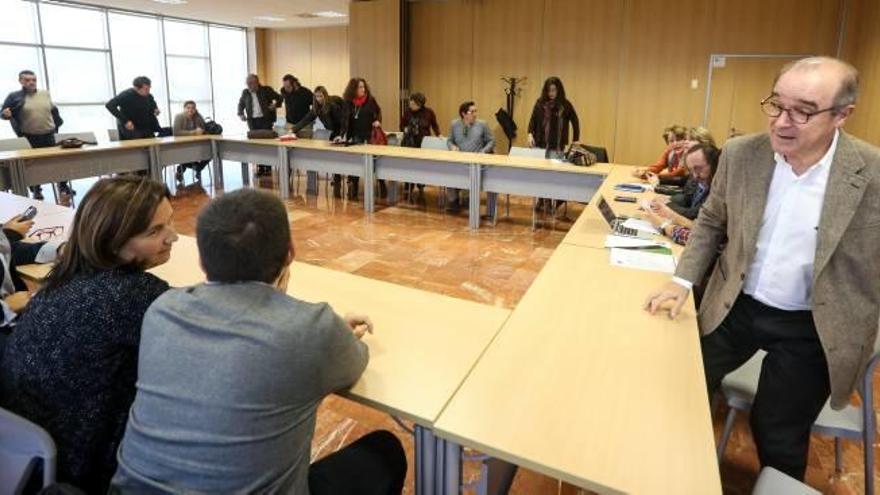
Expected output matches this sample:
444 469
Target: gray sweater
477 138
230 377
185 126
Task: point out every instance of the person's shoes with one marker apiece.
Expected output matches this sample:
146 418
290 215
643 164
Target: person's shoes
64 199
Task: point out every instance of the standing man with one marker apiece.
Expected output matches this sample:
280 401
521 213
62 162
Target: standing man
135 110
297 100
799 208
257 106
34 117
467 134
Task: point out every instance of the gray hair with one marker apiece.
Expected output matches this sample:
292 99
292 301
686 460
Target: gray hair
847 94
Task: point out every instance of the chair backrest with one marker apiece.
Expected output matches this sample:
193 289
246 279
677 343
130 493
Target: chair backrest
435 143
773 482
14 144
321 134
601 153
22 444
82 136
528 152
113 134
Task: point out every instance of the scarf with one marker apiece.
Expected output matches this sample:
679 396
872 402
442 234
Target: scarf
359 101
552 114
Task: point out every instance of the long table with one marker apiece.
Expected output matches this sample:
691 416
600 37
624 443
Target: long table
474 172
582 385
577 382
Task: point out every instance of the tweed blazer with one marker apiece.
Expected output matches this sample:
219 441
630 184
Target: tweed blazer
846 277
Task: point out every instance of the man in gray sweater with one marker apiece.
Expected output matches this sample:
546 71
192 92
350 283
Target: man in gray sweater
231 373
467 134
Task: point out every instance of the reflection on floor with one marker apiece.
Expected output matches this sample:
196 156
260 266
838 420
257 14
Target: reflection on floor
416 244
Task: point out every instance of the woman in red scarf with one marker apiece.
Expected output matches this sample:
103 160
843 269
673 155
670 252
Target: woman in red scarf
362 113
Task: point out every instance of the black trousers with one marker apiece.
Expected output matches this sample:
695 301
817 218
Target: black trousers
793 385
125 134
44 141
375 464
261 123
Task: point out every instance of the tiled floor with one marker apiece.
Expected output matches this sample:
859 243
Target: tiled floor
419 246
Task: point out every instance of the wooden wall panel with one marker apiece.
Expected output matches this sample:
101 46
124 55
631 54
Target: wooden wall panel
507 42
587 62
374 48
317 56
628 65
862 48
442 55
656 70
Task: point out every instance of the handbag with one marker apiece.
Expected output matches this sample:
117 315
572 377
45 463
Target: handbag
377 136
262 134
578 154
212 127
74 143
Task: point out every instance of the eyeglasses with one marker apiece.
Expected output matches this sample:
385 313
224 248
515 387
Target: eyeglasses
773 109
47 233
473 110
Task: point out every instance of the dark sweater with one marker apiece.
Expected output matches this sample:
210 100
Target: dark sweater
557 137
417 125
296 104
332 116
359 122
70 366
140 110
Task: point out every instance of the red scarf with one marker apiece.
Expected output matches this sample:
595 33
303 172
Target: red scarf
359 100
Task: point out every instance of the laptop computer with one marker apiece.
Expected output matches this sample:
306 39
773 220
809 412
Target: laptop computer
616 223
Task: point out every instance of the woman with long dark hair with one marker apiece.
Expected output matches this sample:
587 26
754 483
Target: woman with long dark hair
70 364
362 114
329 110
551 118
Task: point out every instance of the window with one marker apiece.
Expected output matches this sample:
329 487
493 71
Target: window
73 26
19 22
228 71
136 42
85 55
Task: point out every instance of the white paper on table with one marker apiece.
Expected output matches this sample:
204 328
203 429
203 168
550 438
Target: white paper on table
642 225
615 241
642 260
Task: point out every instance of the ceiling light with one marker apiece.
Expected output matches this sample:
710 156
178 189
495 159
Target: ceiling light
269 18
330 14
171 2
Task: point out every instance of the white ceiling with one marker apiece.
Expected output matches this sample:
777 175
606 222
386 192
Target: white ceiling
240 13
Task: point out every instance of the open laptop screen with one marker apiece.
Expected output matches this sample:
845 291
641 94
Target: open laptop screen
606 211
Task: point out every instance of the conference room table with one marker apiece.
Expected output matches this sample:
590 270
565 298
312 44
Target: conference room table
584 386
475 172
418 357
577 382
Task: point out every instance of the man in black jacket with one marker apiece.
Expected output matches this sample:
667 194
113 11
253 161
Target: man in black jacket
135 110
34 117
297 100
257 106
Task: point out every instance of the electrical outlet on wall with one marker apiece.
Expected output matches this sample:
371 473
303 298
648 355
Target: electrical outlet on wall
695 83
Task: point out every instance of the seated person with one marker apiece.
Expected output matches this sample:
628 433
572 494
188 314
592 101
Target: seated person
232 371
695 135
702 161
670 163
467 134
189 123
14 295
71 362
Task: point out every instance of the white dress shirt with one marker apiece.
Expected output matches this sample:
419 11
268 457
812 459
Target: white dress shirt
781 275
256 110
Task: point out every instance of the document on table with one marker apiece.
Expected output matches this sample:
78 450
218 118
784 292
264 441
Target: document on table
642 260
642 225
619 241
